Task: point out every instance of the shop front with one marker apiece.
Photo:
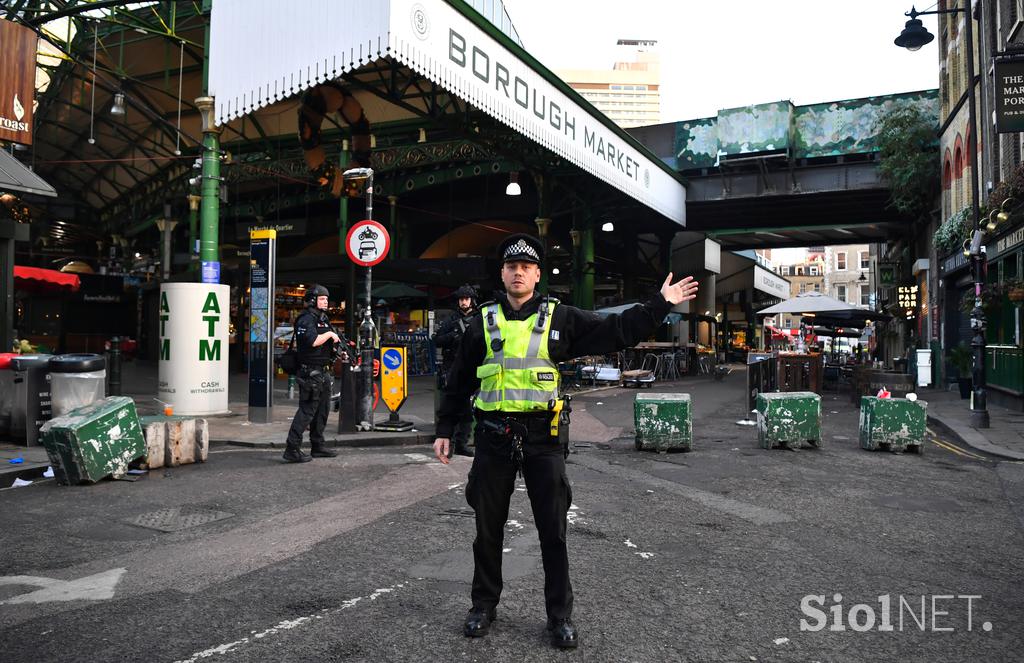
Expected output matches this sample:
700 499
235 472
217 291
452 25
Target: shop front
1004 352
955 309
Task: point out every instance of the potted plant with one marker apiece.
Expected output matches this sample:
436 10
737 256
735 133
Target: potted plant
991 298
962 360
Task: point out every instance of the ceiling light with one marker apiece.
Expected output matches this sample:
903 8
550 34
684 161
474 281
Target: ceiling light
608 227
513 188
556 271
117 108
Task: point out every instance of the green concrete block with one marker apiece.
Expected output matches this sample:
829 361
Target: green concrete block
789 419
892 423
663 422
94 441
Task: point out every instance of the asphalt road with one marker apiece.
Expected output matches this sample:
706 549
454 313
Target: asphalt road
700 556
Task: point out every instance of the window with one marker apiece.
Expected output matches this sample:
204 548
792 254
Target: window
817 287
814 270
865 296
841 261
841 292
803 288
787 323
864 260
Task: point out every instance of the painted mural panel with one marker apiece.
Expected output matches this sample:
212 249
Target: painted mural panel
816 130
849 127
697 143
751 129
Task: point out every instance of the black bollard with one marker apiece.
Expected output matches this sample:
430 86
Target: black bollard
114 367
348 410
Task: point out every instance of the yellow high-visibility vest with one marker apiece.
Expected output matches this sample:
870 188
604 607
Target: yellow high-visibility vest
517 374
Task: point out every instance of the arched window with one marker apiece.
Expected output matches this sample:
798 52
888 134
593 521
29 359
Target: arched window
947 182
958 171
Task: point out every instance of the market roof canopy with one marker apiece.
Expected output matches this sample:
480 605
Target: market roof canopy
16 177
449 43
810 302
40 281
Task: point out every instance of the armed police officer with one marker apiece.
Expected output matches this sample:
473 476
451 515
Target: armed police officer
511 356
317 344
448 337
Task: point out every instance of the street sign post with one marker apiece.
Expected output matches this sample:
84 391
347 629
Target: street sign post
394 386
367 243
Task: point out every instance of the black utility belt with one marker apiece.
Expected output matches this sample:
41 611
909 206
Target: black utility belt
316 367
535 422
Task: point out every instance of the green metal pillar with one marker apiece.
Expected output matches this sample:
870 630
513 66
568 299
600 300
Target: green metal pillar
397 236
631 261
583 261
543 222
209 212
343 226
193 229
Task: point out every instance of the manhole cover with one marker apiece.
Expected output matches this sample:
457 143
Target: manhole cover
178 518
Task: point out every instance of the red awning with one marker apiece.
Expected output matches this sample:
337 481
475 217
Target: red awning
38 280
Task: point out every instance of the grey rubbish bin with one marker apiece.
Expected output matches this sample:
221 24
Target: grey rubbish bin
76 380
31 405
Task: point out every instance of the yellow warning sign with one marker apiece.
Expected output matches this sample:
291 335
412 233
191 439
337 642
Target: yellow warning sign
394 379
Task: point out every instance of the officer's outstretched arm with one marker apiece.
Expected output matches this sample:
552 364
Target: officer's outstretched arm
679 292
441 449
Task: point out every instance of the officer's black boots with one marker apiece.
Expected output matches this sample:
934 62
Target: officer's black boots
478 622
323 452
295 455
563 633
462 449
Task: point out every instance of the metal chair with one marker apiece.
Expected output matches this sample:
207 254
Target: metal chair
667 366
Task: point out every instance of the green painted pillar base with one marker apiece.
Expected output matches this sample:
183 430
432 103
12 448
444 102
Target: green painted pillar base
209 213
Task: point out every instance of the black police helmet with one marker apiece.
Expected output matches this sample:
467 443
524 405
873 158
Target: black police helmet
314 291
523 247
465 290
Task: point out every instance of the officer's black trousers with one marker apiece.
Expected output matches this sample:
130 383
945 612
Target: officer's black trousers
489 490
314 406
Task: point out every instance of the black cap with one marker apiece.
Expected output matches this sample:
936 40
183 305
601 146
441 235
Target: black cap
314 291
521 246
465 290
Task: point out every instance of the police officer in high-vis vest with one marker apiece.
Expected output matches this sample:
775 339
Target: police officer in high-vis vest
317 343
511 357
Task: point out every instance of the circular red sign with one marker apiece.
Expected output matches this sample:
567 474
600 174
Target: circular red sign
367 243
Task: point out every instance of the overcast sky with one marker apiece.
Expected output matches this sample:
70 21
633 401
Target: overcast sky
727 53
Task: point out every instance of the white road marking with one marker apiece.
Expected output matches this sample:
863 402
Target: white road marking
98 587
289 624
417 458
758 515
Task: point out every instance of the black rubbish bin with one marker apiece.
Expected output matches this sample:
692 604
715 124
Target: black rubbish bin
31 405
